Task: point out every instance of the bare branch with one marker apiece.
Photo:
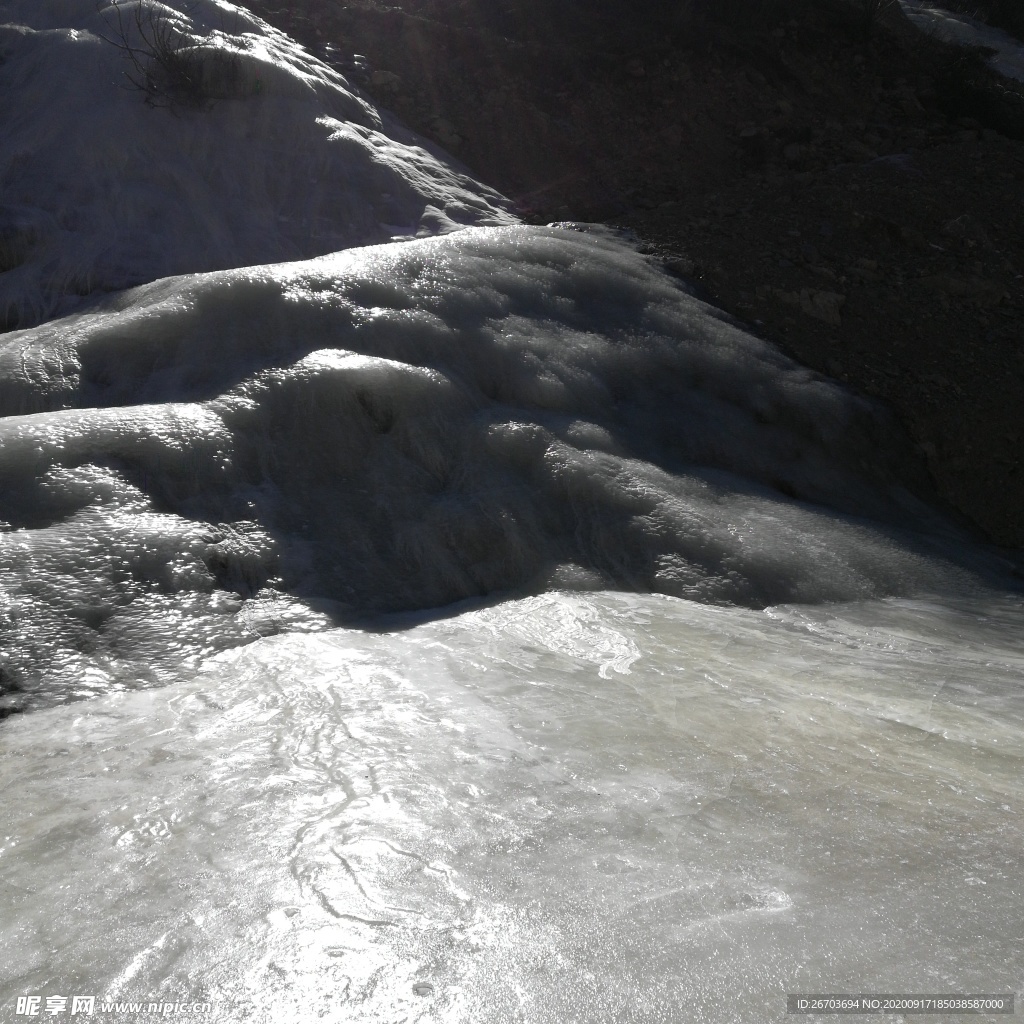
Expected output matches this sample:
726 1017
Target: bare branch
164 64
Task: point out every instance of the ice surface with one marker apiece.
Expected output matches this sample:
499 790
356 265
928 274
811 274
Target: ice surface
565 808
101 191
408 425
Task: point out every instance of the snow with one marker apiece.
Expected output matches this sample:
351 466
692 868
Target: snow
102 191
950 27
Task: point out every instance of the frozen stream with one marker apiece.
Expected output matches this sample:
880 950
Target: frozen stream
563 808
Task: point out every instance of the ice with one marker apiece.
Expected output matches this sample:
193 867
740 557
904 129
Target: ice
405 426
102 191
562 808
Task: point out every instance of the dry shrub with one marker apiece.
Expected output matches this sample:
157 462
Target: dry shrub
165 64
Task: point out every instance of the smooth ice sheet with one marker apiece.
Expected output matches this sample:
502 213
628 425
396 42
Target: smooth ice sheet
559 809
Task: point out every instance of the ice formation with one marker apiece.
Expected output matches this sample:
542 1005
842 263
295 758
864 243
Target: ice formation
712 709
404 426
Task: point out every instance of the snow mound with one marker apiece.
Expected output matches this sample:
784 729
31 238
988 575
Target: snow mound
265 154
189 464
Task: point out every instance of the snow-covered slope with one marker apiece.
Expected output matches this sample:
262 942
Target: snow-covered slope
103 187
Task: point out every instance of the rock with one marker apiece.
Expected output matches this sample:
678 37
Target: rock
911 105
672 136
979 290
856 150
681 266
756 147
789 298
822 305
864 270
635 68
889 232
385 80
445 133
827 272
902 162
966 228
